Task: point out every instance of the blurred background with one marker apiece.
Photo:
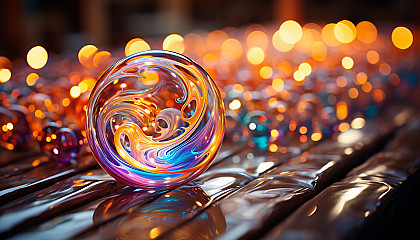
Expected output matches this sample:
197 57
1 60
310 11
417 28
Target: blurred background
71 24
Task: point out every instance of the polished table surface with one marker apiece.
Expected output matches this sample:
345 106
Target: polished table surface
360 184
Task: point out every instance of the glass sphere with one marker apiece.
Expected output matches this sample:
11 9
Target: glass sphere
47 136
155 119
15 132
67 144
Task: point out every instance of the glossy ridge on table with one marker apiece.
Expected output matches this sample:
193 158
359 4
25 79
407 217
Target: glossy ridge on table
355 206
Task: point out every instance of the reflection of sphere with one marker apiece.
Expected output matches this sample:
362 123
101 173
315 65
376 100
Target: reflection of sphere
154 219
207 225
155 120
62 144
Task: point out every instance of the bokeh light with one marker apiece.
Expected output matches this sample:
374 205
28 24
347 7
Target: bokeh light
75 92
37 57
290 32
279 44
402 37
231 49
319 51
257 39
174 42
86 54
255 55
347 62
328 36
305 68
366 32
136 45
345 31
372 57
31 79
278 84
5 75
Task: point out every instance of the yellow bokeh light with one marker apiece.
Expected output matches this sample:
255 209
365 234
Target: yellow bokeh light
5 75
372 57
343 127
86 54
266 72
361 78
273 147
31 79
174 42
257 39
136 45
341 110
255 55
303 130
278 84
65 102
290 32
298 76
37 57
83 86
316 136
210 60
358 123
39 114
347 62
75 92
102 59
235 105
366 32
238 88
318 51
305 68
345 31
402 37
231 49
274 133
90 82
279 44
327 35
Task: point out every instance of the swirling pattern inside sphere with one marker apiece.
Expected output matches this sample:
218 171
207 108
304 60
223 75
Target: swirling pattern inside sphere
155 119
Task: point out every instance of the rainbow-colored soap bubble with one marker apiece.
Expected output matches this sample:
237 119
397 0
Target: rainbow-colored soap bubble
155 119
